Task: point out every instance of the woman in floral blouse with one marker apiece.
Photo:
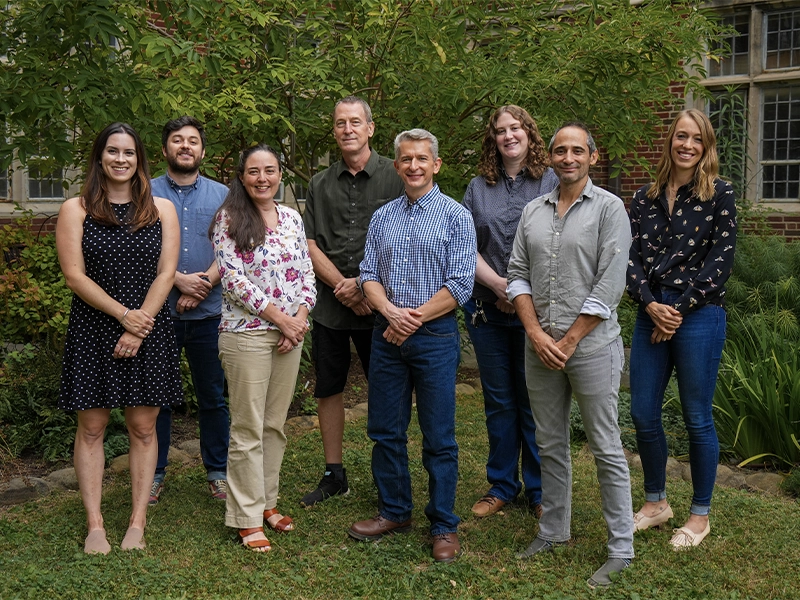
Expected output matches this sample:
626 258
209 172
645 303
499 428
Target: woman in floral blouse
267 291
684 232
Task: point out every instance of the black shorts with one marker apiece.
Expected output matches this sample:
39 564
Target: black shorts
330 351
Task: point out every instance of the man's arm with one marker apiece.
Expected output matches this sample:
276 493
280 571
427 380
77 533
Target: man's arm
402 321
344 288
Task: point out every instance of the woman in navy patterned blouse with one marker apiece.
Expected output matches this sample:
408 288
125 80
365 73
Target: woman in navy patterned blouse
684 233
514 170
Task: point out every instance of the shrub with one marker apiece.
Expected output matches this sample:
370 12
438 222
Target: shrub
34 299
791 485
757 413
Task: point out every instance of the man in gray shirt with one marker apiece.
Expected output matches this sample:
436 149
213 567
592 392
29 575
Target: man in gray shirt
339 206
566 277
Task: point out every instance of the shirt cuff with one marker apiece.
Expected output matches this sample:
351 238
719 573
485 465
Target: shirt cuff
593 306
518 287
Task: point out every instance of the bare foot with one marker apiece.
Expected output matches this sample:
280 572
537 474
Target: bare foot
96 542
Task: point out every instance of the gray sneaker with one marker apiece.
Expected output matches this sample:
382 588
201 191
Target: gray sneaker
155 491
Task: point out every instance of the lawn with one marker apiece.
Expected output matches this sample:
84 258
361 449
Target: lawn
752 552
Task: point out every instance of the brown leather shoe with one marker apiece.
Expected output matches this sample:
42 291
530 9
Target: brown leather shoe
488 505
446 547
376 527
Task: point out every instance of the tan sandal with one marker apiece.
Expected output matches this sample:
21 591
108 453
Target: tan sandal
251 539
282 524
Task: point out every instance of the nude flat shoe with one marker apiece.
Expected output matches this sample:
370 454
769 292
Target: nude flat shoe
133 540
686 538
641 522
96 542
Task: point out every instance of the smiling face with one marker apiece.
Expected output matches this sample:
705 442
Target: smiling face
119 160
262 177
571 157
511 138
416 166
351 128
184 150
687 147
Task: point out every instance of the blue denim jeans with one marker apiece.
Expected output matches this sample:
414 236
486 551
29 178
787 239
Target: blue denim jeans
694 352
199 339
499 345
425 362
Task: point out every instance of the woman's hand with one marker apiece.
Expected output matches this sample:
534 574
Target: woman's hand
285 345
294 329
138 322
127 346
666 320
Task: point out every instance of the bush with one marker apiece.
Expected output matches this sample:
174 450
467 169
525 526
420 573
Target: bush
34 298
791 485
29 417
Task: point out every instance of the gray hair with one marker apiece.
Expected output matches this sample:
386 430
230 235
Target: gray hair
416 135
579 125
356 100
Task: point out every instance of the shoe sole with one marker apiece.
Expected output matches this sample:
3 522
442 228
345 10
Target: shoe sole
304 505
447 560
374 538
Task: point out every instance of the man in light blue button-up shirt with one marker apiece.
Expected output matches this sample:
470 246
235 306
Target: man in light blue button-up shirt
196 300
566 277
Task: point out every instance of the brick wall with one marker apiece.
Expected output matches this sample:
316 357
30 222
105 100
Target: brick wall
39 224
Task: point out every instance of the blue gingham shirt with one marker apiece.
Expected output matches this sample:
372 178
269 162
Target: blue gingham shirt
416 249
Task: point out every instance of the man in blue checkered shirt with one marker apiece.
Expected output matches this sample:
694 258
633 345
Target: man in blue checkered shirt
419 265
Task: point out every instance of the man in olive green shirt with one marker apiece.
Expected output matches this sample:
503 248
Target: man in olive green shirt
339 206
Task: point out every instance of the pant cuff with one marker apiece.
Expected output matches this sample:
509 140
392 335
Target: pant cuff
702 511
655 496
214 475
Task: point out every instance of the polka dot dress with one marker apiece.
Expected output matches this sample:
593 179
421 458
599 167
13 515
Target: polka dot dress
124 263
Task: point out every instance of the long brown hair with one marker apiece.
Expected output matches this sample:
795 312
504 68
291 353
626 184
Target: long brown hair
705 172
537 160
95 189
245 225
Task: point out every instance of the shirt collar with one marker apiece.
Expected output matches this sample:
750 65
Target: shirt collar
423 201
588 189
175 185
369 168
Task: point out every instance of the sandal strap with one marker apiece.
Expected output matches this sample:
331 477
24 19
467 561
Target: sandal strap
244 534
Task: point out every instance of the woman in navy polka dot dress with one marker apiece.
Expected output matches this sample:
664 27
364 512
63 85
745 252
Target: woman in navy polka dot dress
118 249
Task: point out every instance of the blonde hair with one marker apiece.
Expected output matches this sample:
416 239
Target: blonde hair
705 172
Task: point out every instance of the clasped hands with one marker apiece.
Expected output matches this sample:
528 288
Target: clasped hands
403 322
348 293
666 320
553 354
194 289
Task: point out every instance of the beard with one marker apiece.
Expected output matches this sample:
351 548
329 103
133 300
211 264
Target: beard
183 168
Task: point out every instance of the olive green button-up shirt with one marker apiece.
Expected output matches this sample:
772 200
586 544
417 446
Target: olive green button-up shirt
339 206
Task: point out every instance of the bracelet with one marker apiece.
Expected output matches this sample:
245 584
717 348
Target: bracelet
125 314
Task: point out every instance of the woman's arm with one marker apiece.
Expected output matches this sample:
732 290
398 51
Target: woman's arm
168 261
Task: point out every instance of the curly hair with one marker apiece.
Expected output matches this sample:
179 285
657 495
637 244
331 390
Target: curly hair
95 190
706 170
537 160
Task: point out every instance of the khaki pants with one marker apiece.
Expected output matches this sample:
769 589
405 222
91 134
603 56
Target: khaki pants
260 385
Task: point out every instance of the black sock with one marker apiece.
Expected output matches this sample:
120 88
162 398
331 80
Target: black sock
335 468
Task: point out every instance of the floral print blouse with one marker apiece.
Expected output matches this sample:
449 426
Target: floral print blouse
690 251
279 271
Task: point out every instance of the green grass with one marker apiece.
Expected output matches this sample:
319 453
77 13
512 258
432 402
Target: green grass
752 551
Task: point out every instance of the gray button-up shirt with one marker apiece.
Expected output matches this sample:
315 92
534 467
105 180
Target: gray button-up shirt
573 265
196 205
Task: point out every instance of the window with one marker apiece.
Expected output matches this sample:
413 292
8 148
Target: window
45 186
756 101
3 184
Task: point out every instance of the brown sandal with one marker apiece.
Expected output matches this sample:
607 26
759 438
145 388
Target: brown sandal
248 538
283 524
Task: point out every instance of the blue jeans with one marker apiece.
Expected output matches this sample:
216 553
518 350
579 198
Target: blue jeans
199 339
499 345
694 352
426 362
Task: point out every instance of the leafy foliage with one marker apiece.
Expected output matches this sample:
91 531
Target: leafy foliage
256 71
34 298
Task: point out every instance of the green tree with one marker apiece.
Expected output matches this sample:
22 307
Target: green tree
259 70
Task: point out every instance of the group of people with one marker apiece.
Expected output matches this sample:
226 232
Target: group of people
537 255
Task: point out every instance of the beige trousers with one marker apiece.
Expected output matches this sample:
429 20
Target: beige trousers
260 386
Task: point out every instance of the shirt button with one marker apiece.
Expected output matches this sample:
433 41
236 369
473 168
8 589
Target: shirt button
184 208
352 221
552 301
554 255
552 324
558 233
185 249
552 279
408 238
